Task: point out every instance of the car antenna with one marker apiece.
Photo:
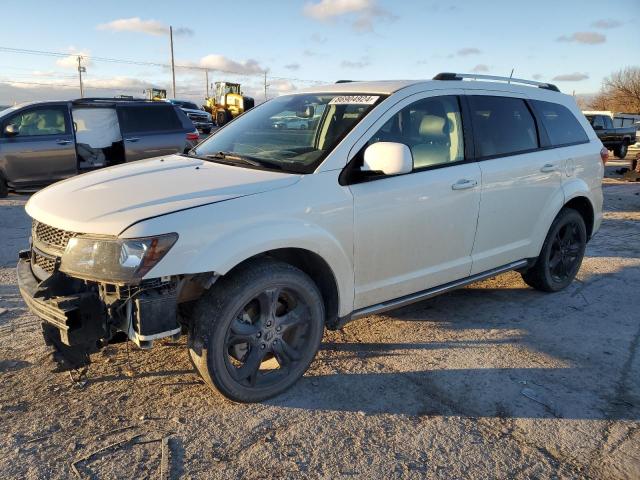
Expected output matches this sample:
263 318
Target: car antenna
511 76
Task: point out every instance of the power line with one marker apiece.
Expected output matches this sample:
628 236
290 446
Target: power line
26 51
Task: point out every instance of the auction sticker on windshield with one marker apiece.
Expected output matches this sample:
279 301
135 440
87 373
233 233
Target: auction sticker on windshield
354 100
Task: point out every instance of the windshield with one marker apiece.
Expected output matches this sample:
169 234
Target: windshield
292 133
184 104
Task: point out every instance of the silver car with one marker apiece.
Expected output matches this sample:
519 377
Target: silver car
43 142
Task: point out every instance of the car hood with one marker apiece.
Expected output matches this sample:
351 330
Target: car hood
192 110
108 201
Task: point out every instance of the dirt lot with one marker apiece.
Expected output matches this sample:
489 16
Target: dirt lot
492 381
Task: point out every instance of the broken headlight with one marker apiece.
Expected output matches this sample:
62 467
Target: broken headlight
114 260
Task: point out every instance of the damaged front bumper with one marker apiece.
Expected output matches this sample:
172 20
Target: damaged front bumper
90 314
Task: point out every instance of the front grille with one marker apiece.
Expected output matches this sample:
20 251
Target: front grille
198 117
45 263
51 236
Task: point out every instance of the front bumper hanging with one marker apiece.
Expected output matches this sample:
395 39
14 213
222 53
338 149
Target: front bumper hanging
90 313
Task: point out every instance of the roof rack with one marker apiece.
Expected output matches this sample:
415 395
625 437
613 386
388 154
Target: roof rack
344 81
461 76
108 100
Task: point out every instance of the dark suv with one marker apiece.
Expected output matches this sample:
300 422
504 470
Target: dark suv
201 120
43 142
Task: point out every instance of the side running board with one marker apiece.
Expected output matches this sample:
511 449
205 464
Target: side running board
432 292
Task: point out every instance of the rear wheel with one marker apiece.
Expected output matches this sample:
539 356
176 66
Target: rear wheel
257 331
561 255
621 150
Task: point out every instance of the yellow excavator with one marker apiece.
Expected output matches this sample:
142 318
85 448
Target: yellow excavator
227 103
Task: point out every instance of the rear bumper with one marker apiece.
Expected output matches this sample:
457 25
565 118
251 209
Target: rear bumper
80 317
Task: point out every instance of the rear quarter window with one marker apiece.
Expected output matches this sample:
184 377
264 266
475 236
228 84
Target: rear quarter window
150 118
561 125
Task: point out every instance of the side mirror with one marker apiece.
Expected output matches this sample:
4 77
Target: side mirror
389 158
11 130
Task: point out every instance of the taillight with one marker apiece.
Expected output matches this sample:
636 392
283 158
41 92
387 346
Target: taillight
604 155
193 136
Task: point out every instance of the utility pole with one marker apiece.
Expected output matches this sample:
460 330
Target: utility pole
81 70
173 65
266 85
206 79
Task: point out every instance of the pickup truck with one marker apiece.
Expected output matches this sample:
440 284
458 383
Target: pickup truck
616 139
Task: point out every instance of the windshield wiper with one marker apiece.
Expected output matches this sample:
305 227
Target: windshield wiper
234 157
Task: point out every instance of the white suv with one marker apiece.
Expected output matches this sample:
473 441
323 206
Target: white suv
261 237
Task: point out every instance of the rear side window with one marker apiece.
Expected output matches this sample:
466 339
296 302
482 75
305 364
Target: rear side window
502 126
561 125
149 119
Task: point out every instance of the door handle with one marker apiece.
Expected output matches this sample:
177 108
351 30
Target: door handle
132 139
548 167
63 142
463 184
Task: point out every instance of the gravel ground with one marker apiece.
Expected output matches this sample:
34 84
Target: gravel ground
493 381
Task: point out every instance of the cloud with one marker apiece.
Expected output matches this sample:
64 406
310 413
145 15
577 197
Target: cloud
136 24
463 52
588 38
537 76
570 77
363 62
281 86
309 53
481 67
224 64
72 60
364 13
606 23
292 66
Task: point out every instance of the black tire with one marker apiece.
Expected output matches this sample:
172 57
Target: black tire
621 150
221 118
206 131
561 255
266 311
4 189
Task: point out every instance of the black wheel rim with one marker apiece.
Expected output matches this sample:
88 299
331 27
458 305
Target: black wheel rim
566 250
267 337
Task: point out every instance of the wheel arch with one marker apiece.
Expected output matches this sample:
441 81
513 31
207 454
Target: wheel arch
584 207
315 267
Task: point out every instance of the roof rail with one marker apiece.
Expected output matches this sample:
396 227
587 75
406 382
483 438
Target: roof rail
461 76
344 81
108 100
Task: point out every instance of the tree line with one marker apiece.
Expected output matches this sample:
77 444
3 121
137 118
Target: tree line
620 92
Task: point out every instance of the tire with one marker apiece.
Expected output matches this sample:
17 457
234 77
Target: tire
561 254
4 189
266 311
221 118
621 150
206 131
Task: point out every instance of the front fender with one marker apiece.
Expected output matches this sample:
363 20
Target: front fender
234 247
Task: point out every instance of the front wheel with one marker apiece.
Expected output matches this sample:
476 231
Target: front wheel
561 255
621 150
256 332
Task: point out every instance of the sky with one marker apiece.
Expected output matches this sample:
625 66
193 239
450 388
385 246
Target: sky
572 43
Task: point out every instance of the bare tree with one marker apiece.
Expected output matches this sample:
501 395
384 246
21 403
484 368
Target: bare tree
620 92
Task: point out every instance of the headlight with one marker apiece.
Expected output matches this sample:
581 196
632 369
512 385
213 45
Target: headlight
117 261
